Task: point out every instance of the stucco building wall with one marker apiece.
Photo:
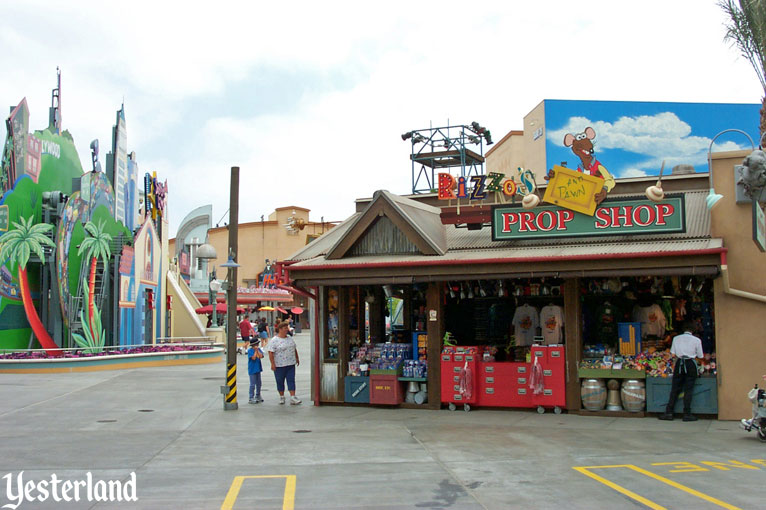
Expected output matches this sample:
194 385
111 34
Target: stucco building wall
739 322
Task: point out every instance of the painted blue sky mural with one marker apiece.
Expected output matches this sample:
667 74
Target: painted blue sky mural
633 138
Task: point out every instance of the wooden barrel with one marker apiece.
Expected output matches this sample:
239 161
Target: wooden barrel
593 394
633 395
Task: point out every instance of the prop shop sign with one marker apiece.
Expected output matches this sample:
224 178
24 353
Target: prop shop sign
613 217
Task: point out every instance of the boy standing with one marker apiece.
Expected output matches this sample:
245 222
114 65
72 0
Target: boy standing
254 369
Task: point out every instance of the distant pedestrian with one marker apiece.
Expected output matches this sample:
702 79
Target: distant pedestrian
263 331
686 347
254 369
283 355
246 329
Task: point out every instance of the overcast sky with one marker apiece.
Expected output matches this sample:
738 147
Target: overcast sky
310 98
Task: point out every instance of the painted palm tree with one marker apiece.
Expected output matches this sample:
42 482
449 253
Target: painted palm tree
16 246
94 247
746 29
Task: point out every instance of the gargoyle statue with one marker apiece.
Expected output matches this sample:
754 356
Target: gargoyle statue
752 174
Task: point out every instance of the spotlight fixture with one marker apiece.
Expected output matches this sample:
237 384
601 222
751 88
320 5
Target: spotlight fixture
407 135
478 128
488 137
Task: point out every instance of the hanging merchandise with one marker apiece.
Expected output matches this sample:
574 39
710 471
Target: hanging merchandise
606 320
667 310
536 380
526 320
651 318
466 382
551 322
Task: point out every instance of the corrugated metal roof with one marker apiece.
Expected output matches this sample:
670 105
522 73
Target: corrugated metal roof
321 245
697 236
509 254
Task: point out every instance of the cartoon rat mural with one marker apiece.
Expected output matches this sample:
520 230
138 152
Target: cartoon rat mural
582 146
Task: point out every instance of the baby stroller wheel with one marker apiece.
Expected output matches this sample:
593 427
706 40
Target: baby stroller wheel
762 435
452 406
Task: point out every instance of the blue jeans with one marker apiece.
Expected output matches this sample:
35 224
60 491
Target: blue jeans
285 373
255 382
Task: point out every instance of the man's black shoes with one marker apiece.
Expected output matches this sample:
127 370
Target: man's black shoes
690 417
666 416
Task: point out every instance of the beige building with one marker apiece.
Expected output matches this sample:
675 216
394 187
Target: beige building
286 230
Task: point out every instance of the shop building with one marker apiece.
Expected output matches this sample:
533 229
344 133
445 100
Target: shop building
399 272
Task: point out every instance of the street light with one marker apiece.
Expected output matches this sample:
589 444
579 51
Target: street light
713 198
212 298
207 252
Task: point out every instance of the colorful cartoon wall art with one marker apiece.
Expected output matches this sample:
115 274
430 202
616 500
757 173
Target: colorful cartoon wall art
71 271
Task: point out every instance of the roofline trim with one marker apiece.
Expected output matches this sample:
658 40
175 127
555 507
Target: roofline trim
451 262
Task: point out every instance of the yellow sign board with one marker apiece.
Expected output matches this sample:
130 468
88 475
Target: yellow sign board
573 190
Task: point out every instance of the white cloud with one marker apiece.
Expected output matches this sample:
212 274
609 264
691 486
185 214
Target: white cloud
412 65
634 172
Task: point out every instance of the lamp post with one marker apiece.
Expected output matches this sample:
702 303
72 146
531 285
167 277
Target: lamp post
713 198
212 297
207 252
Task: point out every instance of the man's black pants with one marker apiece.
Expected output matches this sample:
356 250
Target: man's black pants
684 375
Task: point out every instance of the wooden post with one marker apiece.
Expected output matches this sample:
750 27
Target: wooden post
343 340
435 330
573 332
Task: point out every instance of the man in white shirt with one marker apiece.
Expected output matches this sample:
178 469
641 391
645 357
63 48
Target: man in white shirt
685 348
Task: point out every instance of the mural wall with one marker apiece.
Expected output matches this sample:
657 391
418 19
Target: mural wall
632 138
72 272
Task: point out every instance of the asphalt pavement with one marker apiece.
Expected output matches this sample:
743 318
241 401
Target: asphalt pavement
168 426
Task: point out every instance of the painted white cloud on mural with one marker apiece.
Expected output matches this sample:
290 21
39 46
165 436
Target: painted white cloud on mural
634 172
660 137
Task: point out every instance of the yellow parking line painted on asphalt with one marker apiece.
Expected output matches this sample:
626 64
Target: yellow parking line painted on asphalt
650 504
288 500
622 490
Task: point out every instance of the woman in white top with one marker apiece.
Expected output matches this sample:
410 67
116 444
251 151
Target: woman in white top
283 355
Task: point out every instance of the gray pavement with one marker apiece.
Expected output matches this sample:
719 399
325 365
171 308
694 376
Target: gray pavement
168 426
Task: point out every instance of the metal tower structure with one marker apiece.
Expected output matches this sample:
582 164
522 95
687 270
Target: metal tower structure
445 149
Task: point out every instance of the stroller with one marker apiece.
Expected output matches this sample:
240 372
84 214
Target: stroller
758 421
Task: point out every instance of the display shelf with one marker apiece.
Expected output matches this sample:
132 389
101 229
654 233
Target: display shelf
608 373
415 379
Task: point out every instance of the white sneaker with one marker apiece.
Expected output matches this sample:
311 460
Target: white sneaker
295 401
282 399
746 424
252 401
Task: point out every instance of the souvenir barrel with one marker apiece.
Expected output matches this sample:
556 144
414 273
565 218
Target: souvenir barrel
633 395
593 394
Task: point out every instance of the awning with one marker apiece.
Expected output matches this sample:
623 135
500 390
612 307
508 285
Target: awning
591 259
220 308
297 310
281 310
266 309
